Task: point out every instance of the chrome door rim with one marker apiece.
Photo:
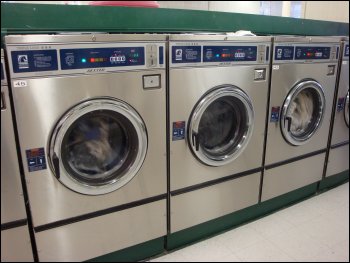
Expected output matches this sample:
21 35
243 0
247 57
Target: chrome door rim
80 110
291 96
205 101
346 110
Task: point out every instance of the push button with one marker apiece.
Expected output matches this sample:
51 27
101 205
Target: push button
331 70
151 82
259 74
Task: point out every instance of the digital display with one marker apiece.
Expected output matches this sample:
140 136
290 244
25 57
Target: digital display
101 57
312 53
229 53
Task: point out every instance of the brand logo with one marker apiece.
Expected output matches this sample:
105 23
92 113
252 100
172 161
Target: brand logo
279 52
69 60
95 70
178 54
23 61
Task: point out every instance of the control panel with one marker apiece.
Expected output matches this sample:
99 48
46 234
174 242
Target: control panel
201 54
101 57
85 58
312 52
305 53
284 53
186 54
34 60
228 53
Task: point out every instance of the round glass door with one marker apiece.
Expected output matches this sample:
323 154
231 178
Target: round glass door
98 146
221 125
346 110
302 112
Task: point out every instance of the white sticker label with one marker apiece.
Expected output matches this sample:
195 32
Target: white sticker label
275 67
345 63
19 83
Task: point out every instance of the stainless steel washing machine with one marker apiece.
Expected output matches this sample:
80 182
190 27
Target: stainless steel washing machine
218 89
91 120
303 81
14 226
338 159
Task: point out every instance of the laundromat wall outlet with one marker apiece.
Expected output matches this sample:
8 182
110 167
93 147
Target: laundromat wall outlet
41 18
134 253
216 226
334 180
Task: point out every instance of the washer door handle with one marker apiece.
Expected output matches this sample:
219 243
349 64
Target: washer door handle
56 165
195 140
289 119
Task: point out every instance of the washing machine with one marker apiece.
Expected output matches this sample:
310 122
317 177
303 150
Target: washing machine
303 79
14 224
338 159
91 114
218 90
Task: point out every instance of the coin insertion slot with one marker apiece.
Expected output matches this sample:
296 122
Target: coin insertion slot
3 104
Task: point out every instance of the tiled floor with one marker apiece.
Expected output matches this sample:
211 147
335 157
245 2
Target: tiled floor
314 230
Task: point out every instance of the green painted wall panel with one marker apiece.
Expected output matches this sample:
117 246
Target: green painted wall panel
25 18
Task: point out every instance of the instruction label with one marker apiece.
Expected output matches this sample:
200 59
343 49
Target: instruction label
179 130
36 159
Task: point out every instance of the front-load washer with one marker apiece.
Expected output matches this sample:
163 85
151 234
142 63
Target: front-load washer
338 158
14 224
303 81
91 120
218 89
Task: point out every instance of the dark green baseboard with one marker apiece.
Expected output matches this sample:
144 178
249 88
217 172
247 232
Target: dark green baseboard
134 253
334 180
227 222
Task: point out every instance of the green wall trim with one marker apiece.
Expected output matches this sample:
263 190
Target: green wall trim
222 224
40 18
334 180
134 253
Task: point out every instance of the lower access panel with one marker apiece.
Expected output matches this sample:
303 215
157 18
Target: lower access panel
15 245
205 204
338 160
292 176
104 234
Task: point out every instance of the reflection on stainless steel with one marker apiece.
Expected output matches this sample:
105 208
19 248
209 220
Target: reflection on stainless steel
12 202
338 160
